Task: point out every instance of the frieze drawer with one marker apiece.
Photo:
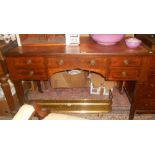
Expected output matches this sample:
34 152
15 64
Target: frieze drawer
152 75
30 74
125 61
28 61
26 68
74 62
152 62
145 104
123 74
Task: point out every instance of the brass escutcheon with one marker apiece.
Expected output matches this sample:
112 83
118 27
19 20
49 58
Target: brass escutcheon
92 62
29 61
61 62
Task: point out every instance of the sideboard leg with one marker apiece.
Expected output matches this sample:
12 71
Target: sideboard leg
7 92
132 112
19 91
131 116
100 115
120 86
39 86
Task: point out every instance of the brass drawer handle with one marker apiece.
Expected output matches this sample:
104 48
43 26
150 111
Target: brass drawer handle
148 95
150 52
69 104
124 74
152 85
92 62
126 62
29 61
31 73
61 62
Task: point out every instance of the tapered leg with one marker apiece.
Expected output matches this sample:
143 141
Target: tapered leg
133 99
33 85
132 112
120 86
39 86
19 91
131 115
7 92
100 115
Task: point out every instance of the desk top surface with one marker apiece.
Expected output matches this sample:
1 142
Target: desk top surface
87 47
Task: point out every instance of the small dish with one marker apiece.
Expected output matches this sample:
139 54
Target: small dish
133 42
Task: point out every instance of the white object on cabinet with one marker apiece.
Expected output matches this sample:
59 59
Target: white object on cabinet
72 39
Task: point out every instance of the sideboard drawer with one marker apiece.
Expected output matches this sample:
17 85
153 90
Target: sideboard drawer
59 62
146 94
75 62
151 75
28 61
151 85
26 68
124 61
31 74
152 65
123 74
146 104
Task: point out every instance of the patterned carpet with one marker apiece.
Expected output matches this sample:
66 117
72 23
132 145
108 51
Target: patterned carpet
120 108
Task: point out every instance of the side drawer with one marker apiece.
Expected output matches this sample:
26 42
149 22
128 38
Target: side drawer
125 61
145 104
31 74
22 71
151 75
152 65
146 94
28 61
123 74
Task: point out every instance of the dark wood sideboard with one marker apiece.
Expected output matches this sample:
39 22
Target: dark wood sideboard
134 66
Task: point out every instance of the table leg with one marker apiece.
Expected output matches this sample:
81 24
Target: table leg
7 92
120 86
39 86
131 115
19 91
132 110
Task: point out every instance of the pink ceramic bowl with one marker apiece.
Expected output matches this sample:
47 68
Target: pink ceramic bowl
107 39
133 42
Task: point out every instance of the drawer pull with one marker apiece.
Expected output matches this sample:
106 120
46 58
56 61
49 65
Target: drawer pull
152 85
126 62
61 62
29 61
148 95
146 104
31 73
124 74
69 104
150 52
92 62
